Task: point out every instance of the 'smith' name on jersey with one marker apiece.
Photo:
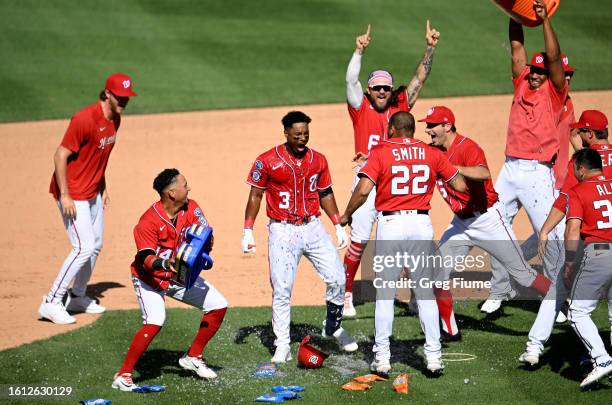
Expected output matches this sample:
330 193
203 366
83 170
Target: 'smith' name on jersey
409 153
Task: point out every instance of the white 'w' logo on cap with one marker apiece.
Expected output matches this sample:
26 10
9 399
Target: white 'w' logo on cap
126 84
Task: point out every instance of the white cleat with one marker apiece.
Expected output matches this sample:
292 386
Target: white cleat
84 304
345 341
55 312
349 308
561 318
380 366
282 354
490 306
123 382
599 371
530 358
198 365
435 365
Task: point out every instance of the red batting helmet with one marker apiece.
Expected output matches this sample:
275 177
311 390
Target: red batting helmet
309 356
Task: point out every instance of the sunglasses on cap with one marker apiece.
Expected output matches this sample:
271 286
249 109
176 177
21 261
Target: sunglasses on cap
381 87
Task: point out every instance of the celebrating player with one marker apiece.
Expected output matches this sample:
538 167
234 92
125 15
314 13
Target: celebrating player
79 186
532 144
370 112
479 216
592 128
404 170
158 234
296 182
589 220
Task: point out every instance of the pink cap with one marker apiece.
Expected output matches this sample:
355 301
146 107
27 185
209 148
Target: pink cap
380 77
439 115
591 119
120 85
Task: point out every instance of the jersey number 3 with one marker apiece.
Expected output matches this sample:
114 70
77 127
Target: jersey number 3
606 212
401 177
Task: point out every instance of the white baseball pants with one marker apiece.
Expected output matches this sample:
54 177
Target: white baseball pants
286 245
86 233
391 234
363 218
592 281
203 295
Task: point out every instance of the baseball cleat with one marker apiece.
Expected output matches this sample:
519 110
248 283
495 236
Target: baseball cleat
435 365
198 365
83 304
345 341
561 318
490 306
599 371
123 382
349 308
380 366
447 337
530 358
282 354
55 312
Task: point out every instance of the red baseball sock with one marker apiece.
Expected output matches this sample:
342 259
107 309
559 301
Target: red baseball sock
208 327
444 299
140 342
351 263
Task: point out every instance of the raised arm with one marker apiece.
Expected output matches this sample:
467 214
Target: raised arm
424 67
354 91
551 46
517 47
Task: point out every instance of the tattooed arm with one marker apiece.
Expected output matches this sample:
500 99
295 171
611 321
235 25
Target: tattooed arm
424 66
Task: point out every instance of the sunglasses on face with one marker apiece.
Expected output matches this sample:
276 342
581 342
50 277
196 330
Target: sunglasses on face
580 130
538 71
381 88
431 125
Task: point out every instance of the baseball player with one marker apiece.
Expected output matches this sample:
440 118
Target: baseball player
158 234
79 188
404 170
297 183
370 112
589 219
592 127
479 216
532 144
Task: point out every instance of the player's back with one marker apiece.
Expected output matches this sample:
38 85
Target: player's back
591 201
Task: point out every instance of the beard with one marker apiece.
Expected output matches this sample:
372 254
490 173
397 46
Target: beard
375 105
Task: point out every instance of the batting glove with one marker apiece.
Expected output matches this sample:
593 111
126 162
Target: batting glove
248 241
341 236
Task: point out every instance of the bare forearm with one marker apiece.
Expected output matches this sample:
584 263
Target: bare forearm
252 207
420 75
328 203
554 217
60 161
478 173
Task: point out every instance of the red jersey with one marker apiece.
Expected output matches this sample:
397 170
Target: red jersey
533 128
157 232
480 194
91 137
567 118
292 186
371 126
405 172
591 202
605 151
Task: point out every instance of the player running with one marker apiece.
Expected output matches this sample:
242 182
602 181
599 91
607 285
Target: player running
297 183
589 220
370 113
79 188
404 170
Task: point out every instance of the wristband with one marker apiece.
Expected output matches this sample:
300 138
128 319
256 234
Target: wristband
248 223
335 218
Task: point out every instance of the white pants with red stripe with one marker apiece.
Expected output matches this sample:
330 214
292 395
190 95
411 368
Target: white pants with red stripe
391 233
85 232
203 295
363 218
287 244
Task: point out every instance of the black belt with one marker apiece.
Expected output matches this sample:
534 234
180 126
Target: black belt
295 221
601 246
405 212
468 215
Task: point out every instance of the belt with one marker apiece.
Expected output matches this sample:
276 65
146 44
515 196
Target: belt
601 246
295 221
468 215
405 212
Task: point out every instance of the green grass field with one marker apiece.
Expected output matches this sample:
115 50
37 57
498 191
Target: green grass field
87 358
201 54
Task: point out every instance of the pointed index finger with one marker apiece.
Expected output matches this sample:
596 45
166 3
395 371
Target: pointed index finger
369 29
428 29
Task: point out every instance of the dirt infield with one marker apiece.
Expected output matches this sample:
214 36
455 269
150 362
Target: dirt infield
214 150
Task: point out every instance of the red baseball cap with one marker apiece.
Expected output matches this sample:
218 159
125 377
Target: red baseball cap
591 119
439 115
566 66
539 60
120 85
